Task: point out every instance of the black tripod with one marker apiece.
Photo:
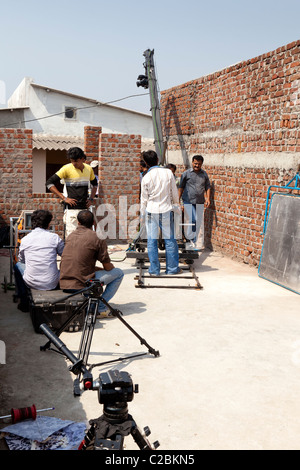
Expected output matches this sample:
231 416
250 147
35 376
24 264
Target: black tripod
115 389
91 302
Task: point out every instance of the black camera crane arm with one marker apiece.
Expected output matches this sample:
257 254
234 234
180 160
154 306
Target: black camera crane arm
91 286
77 364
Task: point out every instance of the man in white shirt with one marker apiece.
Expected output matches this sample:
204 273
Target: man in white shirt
37 265
159 200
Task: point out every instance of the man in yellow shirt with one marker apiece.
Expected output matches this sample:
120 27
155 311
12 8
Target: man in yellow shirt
77 176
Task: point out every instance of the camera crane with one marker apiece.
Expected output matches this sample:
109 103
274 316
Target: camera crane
149 81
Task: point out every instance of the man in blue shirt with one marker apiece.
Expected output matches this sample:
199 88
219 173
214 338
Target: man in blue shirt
194 189
37 259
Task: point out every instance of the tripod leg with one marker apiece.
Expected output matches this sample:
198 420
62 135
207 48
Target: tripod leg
71 318
86 339
117 313
109 444
67 322
140 440
88 330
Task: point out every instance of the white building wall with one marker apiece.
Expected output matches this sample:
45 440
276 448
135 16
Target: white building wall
38 171
45 102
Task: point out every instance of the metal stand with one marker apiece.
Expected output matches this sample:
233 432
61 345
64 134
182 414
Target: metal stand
91 303
115 389
139 253
108 431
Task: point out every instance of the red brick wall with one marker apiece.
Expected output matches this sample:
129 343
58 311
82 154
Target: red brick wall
16 179
234 223
119 171
119 158
91 142
249 107
250 110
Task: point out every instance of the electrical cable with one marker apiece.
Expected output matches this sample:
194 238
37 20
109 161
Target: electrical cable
74 109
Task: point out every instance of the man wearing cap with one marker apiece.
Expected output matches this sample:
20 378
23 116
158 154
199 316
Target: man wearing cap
77 176
94 165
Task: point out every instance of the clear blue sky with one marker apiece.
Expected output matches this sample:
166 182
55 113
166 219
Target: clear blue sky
94 48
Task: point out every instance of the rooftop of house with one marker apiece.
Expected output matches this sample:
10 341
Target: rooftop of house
27 82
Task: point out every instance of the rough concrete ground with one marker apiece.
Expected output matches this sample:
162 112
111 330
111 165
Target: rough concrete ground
228 374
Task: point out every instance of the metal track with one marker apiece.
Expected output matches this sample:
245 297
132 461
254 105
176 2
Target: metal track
141 258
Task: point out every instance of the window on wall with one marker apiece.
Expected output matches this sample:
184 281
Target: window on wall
70 113
44 164
55 159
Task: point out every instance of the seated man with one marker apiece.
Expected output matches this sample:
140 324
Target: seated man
37 265
83 248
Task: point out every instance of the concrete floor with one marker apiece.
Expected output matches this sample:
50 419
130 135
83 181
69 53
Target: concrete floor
228 374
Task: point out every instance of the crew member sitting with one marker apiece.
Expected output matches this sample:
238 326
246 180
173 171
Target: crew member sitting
83 248
37 265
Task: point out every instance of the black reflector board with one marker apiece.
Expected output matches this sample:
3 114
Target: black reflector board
280 256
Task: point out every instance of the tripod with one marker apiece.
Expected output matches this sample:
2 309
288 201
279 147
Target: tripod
91 302
108 431
115 389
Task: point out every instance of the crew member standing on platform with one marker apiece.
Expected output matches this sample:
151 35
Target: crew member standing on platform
159 201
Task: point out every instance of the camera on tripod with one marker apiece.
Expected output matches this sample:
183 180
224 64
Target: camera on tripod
115 387
115 390
95 287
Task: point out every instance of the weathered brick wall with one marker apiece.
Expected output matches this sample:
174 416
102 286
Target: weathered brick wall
245 121
91 142
234 223
119 164
16 179
118 155
249 107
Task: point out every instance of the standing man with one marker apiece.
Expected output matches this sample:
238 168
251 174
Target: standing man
77 175
82 250
194 188
95 165
159 200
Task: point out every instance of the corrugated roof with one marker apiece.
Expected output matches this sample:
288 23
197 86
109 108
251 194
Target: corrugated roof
56 142
64 142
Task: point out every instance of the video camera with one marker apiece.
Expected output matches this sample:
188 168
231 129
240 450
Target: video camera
95 287
115 387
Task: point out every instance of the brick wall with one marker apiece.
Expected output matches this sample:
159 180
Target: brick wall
118 155
16 179
119 158
250 107
245 121
91 142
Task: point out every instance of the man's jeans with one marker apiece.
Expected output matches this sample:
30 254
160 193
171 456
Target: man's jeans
112 280
193 215
70 221
21 288
165 222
